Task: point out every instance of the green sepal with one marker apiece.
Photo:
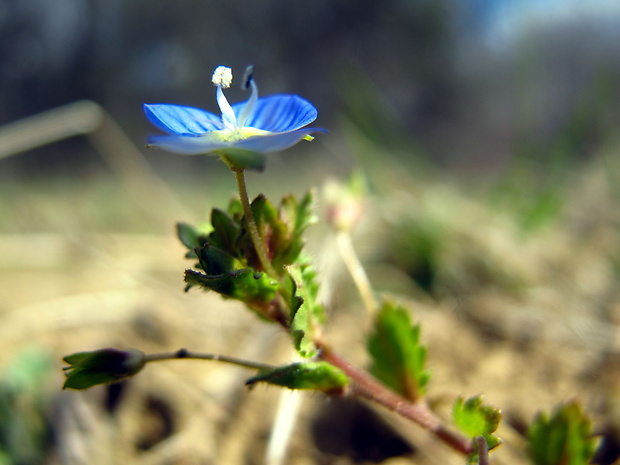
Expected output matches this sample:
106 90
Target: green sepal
307 315
475 419
316 376
88 369
562 438
240 160
398 357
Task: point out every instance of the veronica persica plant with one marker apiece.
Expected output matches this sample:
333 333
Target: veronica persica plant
267 124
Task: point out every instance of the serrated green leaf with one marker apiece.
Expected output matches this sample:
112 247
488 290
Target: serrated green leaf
307 315
317 376
562 438
474 419
398 357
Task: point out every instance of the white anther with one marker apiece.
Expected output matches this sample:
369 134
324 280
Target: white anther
222 77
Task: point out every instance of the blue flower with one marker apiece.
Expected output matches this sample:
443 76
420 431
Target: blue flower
267 124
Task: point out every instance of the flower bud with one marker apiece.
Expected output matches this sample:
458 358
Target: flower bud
87 369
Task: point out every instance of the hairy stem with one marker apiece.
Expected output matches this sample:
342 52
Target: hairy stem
483 450
257 240
364 385
184 353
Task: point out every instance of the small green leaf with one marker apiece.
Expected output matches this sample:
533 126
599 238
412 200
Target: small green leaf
296 216
256 290
281 228
225 232
307 315
191 237
563 438
88 369
227 257
474 419
398 357
317 376
235 209
215 261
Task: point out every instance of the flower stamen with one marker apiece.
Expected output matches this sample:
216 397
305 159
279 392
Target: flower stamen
222 78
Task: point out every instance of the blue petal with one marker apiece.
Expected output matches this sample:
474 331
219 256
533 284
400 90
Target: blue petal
274 142
279 113
193 145
187 145
182 120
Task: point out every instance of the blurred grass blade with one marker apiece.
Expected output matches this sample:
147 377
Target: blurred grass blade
71 120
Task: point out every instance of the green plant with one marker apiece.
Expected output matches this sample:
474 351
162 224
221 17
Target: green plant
253 252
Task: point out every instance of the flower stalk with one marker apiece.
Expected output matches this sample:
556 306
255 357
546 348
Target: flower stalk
186 354
259 242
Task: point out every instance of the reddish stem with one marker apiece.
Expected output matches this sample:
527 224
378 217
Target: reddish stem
366 386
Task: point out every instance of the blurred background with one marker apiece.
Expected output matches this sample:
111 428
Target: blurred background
487 131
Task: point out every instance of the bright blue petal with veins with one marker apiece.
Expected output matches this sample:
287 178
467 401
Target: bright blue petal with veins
182 120
187 145
279 113
193 145
267 124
